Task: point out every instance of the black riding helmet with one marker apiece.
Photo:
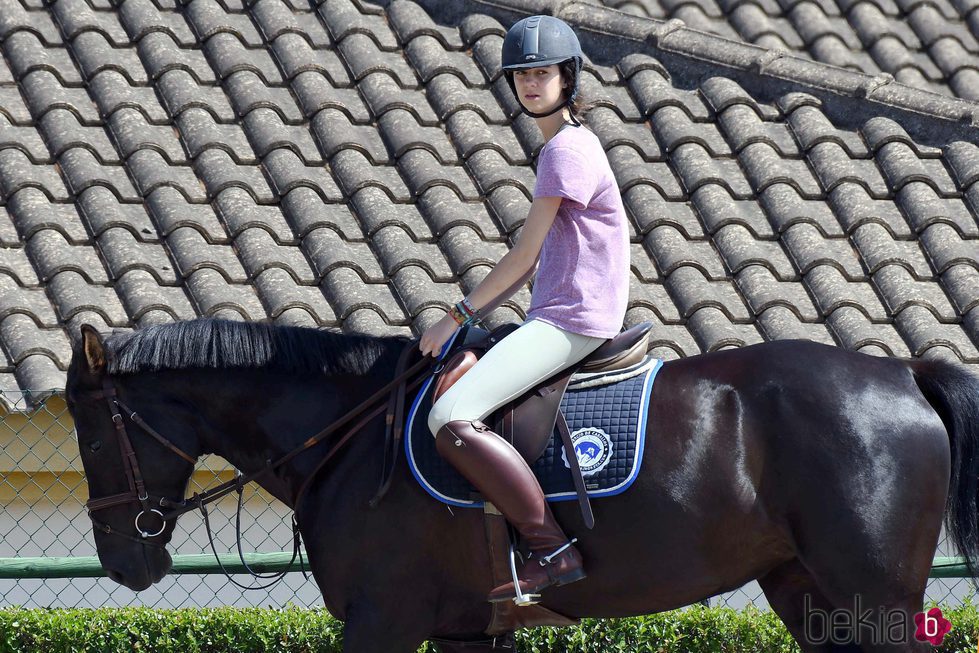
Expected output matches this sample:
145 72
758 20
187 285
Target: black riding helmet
538 41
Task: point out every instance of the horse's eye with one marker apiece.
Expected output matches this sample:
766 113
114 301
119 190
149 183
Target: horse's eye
95 446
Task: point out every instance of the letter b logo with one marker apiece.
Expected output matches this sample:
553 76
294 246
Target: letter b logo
932 626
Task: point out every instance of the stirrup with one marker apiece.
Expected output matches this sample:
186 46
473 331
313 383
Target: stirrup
520 598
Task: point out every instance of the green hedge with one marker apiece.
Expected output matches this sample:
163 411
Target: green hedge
294 630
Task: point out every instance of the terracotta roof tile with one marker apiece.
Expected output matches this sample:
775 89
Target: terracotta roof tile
8 233
15 17
287 171
25 138
215 295
141 17
833 167
376 210
41 374
670 250
33 211
295 55
200 131
32 302
354 171
281 293
239 211
811 126
464 249
713 329
306 209
762 289
207 18
444 209
347 292
76 293
249 92
22 338
853 330
695 167
328 251
150 171
122 252
900 289
160 52
15 265
832 290
922 331
218 170
763 167
961 282
878 247
142 293
739 248
403 132
945 247
779 322
926 45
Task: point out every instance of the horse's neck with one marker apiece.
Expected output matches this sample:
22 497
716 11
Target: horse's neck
263 417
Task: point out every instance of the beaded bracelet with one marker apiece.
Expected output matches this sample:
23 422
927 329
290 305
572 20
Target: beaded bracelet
457 315
463 313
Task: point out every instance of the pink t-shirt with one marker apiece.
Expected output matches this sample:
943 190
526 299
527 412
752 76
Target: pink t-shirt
582 282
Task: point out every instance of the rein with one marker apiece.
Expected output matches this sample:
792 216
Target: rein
398 389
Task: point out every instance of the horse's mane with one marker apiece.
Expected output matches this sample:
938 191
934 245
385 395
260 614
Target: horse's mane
209 343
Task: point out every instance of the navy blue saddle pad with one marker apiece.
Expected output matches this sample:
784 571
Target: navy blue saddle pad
606 414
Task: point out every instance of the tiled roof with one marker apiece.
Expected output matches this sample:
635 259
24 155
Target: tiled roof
362 165
929 44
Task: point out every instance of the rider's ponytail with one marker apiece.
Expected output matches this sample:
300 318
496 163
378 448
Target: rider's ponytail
581 104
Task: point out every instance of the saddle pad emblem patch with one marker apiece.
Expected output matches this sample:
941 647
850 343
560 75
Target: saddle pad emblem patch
593 447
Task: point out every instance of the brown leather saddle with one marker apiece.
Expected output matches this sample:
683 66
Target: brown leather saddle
528 422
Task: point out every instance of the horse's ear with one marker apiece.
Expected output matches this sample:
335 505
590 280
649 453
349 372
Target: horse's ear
93 348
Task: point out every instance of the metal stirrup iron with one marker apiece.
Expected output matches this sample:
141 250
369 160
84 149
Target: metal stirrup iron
520 598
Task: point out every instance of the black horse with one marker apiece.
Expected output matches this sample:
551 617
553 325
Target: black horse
824 474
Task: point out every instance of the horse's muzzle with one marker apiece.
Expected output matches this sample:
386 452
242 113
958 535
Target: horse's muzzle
157 565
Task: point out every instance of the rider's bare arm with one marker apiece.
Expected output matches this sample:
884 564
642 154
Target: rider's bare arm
520 263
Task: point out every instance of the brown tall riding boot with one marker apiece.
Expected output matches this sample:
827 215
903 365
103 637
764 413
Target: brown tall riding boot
502 476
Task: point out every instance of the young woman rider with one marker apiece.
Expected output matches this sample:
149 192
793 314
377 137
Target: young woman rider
576 236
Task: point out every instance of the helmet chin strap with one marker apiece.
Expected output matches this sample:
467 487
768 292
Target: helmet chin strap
560 107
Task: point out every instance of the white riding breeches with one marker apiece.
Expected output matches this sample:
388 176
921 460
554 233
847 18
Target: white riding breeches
530 354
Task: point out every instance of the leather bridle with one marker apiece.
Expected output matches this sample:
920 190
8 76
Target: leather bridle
152 504
137 492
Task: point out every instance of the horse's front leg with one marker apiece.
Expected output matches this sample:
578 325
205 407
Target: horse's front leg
382 625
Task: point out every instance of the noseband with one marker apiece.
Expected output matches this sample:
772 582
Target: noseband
152 504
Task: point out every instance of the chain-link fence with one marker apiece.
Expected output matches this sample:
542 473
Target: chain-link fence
43 492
